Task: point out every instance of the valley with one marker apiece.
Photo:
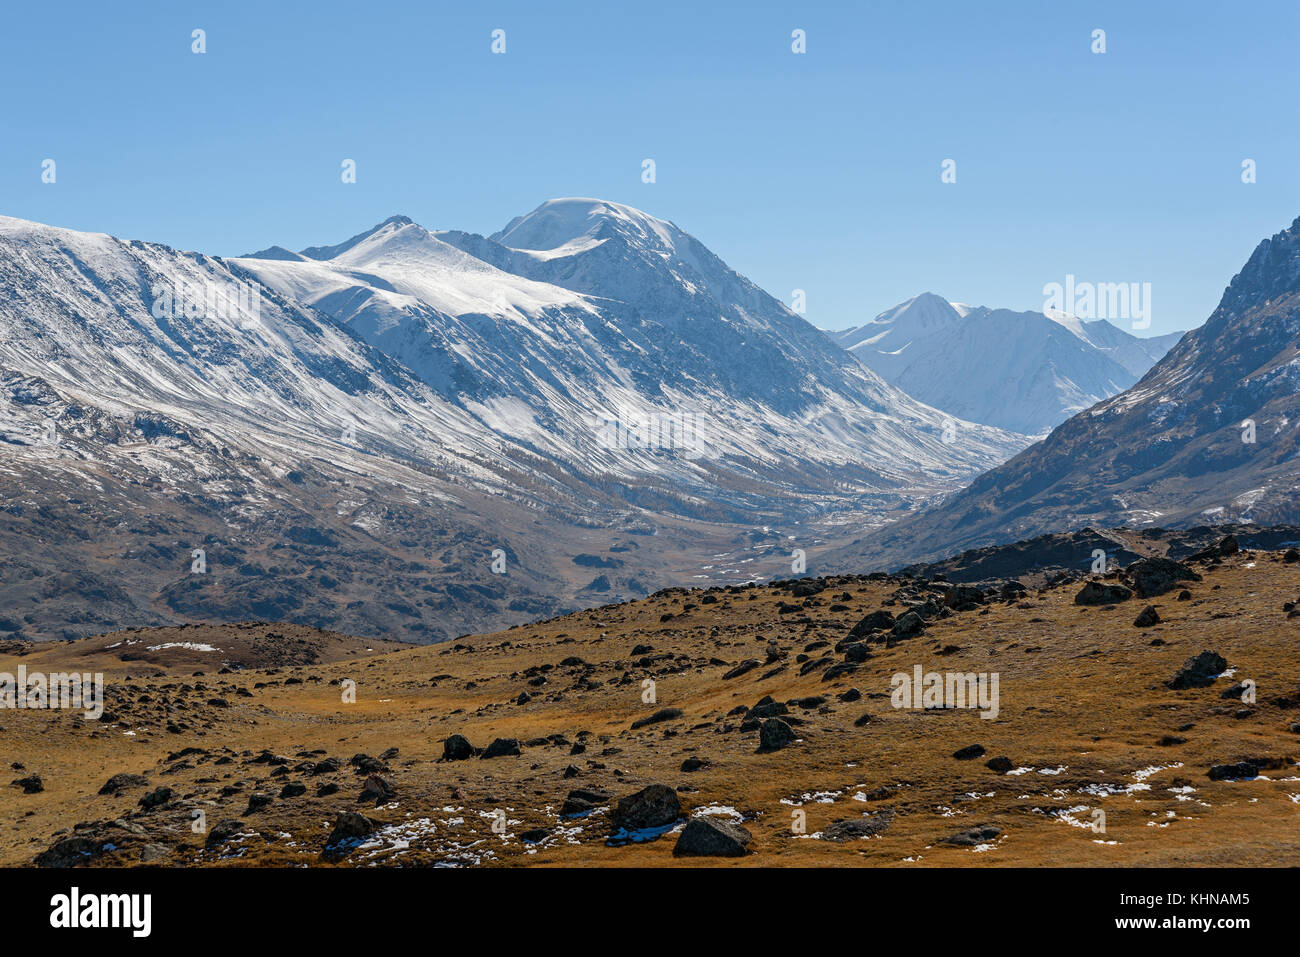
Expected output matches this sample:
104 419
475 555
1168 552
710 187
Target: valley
763 712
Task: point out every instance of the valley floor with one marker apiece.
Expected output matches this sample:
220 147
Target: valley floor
270 759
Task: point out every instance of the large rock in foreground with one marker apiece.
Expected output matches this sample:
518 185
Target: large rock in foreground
651 807
1199 672
712 837
1155 576
1102 593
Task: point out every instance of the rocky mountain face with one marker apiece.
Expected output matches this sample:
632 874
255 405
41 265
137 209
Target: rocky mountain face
1209 435
1022 371
395 437
586 310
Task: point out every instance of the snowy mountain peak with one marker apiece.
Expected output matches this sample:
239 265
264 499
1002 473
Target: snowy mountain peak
926 311
574 224
1023 371
389 226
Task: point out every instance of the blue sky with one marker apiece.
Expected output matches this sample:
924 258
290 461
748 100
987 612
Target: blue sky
818 171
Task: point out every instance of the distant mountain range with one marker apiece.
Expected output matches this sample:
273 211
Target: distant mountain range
414 434
1210 435
1022 371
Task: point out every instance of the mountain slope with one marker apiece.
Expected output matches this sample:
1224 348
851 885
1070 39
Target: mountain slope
312 471
350 433
1021 371
1172 450
617 314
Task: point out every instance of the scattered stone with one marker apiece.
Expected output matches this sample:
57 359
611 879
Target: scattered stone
856 651
1102 593
1242 770
1146 617
1221 549
154 852
876 621
1199 672
964 597
224 831
972 836
156 798
457 748
120 782
502 747
32 784
774 734
858 828
749 664
583 801
350 829
654 806
376 791
69 852
663 714
1155 576
907 626
711 836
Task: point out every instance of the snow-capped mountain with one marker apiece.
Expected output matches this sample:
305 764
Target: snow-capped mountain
156 404
397 436
1210 435
1022 371
606 312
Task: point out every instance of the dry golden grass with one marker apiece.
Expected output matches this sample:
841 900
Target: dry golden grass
1082 694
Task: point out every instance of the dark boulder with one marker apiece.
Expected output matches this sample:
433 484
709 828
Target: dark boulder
1147 617
156 798
774 734
907 626
457 748
876 621
1242 770
502 747
583 801
120 782
376 791
1155 576
663 714
858 828
971 836
1102 593
712 837
654 806
1199 672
